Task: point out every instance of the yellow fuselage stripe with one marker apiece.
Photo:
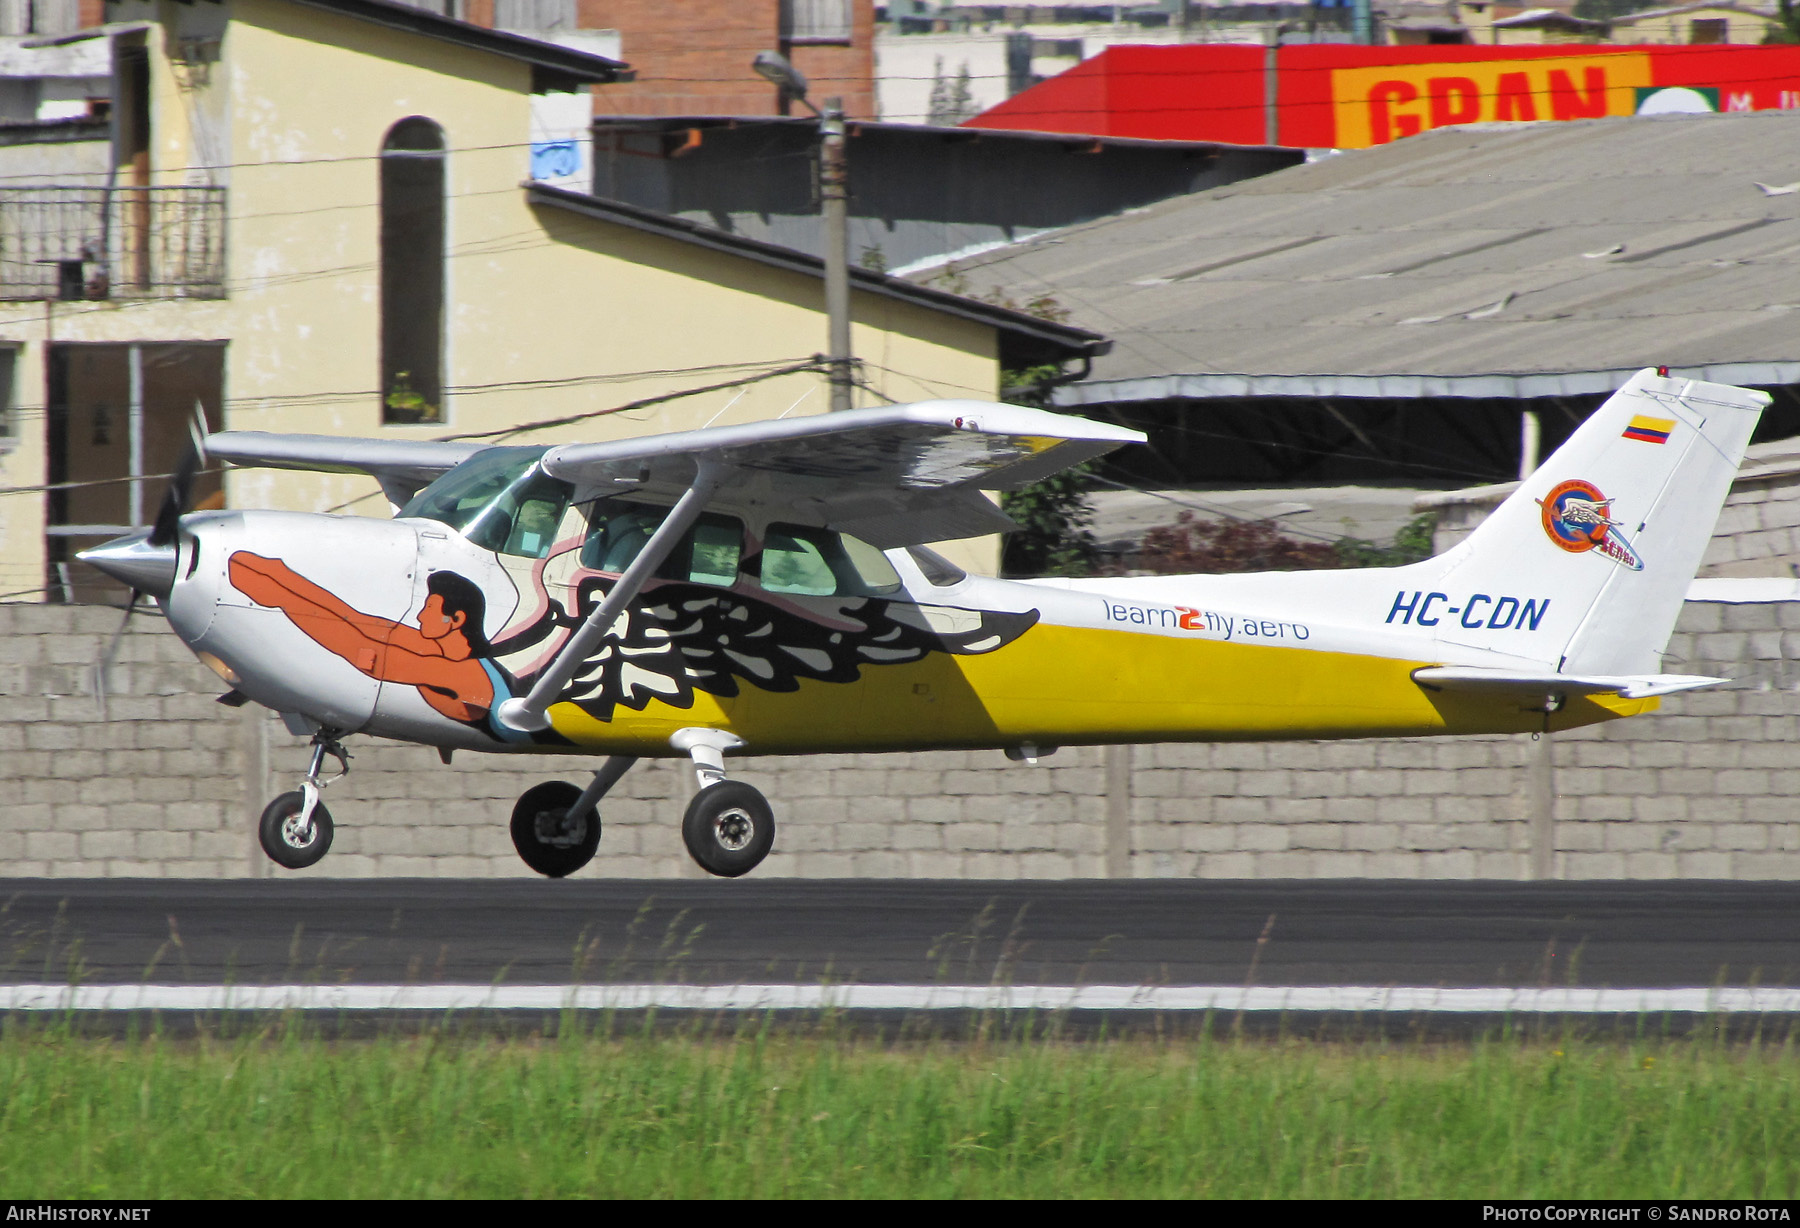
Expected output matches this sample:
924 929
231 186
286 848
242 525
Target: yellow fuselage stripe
1060 686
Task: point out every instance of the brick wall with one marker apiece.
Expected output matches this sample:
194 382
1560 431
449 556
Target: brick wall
693 58
171 785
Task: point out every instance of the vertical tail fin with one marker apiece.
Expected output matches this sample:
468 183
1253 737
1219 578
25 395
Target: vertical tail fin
1606 535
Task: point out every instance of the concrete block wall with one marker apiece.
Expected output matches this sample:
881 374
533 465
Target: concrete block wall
169 783
1759 528
1758 533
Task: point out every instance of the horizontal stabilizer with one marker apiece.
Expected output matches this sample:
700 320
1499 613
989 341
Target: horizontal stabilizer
1744 590
1470 679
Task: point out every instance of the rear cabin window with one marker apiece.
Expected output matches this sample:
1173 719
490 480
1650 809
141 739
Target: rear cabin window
709 553
813 562
938 571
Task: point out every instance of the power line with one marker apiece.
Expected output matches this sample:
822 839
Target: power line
309 399
816 363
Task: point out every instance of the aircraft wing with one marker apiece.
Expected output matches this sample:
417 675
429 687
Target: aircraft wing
1500 682
403 467
894 476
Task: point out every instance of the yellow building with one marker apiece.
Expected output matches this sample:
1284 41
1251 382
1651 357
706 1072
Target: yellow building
309 216
1695 24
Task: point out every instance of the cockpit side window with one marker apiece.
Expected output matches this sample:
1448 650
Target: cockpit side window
498 500
814 562
462 494
709 553
523 520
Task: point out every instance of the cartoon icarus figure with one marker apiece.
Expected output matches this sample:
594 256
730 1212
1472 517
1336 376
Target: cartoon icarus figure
444 656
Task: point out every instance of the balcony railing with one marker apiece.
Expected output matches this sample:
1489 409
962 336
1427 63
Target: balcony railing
99 243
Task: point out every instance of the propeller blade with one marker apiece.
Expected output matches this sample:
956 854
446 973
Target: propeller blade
104 668
179 495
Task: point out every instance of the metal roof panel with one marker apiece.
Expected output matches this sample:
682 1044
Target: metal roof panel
1540 249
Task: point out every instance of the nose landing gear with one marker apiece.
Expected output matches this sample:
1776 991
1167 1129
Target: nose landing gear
296 829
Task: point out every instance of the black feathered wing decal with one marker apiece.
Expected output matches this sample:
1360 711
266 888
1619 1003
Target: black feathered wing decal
682 638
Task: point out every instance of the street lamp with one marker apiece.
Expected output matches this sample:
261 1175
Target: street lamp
834 207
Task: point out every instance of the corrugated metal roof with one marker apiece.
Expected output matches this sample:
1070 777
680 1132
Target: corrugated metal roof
1468 260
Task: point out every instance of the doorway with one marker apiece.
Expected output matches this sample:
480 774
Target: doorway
118 427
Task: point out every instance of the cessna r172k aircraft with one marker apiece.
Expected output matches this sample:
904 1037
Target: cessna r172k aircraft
765 588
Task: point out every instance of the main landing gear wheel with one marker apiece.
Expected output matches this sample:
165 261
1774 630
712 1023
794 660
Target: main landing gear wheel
283 837
728 828
550 839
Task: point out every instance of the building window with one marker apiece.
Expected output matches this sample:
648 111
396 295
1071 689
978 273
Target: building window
443 8
534 15
1708 30
816 21
9 384
412 272
39 16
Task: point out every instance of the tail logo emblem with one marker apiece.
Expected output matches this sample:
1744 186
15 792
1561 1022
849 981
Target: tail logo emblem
1578 518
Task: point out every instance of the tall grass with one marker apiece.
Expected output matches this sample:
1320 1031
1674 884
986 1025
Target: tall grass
781 1114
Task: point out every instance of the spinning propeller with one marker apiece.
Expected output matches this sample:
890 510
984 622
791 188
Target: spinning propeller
146 561
178 498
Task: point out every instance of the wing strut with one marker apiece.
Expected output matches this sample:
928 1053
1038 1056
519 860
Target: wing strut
527 715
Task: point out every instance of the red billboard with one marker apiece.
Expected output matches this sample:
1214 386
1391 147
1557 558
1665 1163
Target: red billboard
1338 96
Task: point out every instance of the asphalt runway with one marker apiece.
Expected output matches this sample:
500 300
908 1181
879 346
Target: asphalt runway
784 932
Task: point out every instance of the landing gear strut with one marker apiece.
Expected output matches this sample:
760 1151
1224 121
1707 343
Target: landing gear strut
296 829
728 828
556 826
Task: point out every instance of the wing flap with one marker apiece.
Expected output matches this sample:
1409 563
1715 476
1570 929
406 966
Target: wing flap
937 516
1500 683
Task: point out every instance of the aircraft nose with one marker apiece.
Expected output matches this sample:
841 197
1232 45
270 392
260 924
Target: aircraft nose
133 560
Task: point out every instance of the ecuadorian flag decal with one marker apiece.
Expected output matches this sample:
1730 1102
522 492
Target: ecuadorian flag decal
1645 429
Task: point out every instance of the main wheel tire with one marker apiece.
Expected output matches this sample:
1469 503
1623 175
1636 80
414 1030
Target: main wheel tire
728 828
550 840
278 830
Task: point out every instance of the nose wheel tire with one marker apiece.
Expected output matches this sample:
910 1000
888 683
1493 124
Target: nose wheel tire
729 828
549 838
283 838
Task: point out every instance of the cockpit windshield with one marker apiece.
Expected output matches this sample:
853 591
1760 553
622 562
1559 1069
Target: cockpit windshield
499 500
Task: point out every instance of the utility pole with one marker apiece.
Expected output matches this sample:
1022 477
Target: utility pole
834 205
834 211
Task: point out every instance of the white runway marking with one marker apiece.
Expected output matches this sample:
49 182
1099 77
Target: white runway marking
1174 998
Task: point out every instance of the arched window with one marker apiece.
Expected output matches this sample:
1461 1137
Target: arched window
412 272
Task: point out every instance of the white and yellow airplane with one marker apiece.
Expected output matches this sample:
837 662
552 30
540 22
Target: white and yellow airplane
765 588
